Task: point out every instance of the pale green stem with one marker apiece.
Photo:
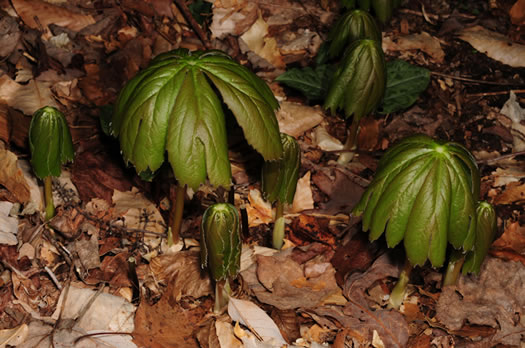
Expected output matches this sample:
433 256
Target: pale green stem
222 295
398 292
454 268
48 197
278 226
350 144
176 216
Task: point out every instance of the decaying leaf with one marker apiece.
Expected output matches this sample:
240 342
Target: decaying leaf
513 238
27 98
259 211
517 12
295 119
514 193
422 41
516 113
256 40
496 299
495 46
284 283
303 199
325 141
253 317
12 177
14 336
37 13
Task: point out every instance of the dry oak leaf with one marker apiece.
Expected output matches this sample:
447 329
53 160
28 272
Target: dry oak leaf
27 98
12 178
496 298
37 13
495 46
514 193
422 41
517 13
295 119
513 238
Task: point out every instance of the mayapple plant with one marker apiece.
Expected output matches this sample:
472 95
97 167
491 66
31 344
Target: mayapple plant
471 262
221 248
383 9
51 146
425 194
279 183
173 107
357 87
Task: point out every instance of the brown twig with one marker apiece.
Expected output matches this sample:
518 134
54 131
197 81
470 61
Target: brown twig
181 4
502 157
482 82
485 94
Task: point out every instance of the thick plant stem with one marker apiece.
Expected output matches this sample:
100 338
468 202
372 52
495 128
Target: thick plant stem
278 227
398 292
48 197
222 294
176 216
350 144
454 268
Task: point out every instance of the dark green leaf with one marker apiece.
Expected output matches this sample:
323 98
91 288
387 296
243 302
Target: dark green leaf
200 10
221 241
383 10
313 83
359 83
485 232
279 178
404 83
50 142
352 26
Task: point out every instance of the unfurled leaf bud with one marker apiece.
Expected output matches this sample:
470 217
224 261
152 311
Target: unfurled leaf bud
485 233
50 142
279 178
221 241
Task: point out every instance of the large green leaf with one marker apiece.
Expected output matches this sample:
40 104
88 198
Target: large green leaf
50 142
313 83
404 83
424 193
359 83
172 107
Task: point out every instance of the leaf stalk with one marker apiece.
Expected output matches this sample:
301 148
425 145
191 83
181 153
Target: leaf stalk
398 292
48 197
176 215
278 227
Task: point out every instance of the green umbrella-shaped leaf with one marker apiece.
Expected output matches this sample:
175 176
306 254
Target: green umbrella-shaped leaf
424 193
172 107
50 142
221 241
279 178
359 83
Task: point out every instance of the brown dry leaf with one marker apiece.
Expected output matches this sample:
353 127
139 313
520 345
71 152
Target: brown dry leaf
27 98
422 41
256 41
295 119
517 13
368 136
513 238
513 110
303 199
496 298
495 46
4 123
259 211
167 323
232 18
37 13
343 191
9 35
282 282
514 193
183 271
11 176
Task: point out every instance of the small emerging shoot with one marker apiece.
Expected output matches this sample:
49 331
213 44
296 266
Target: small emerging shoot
51 146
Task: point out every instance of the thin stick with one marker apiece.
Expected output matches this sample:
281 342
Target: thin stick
466 79
500 158
181 4
485 94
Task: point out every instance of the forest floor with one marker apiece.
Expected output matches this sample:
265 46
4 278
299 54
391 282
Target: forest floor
102 263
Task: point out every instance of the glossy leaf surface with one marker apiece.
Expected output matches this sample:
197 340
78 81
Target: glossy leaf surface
279 178
424 193
352 26
359 83
485 233
50 142
172 106
221 241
